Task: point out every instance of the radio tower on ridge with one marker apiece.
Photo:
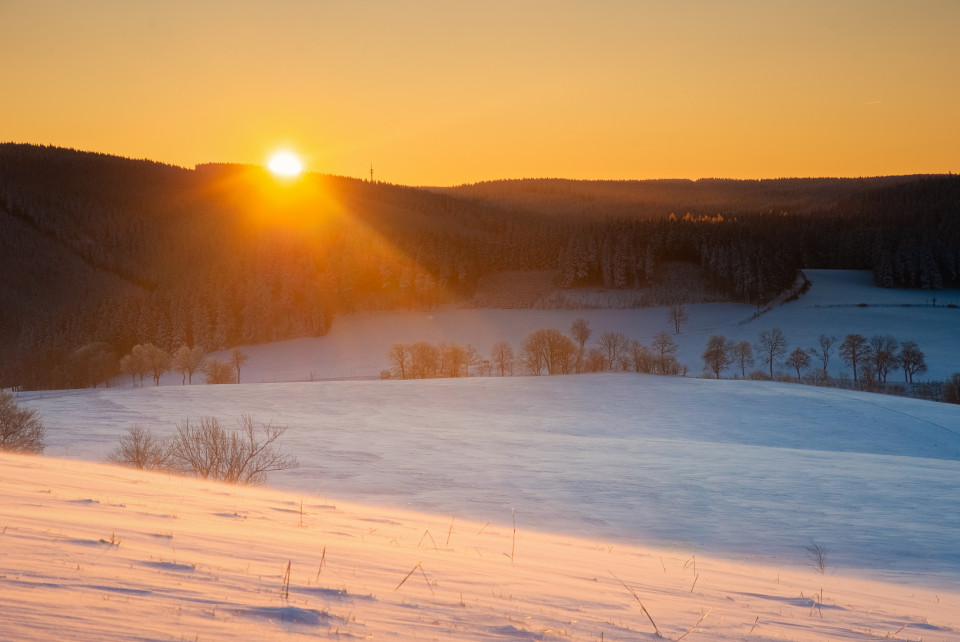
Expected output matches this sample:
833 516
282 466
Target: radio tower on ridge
371 172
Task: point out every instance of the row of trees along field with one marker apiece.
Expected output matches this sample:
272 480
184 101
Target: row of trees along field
96 249
548 351
872 359
543 352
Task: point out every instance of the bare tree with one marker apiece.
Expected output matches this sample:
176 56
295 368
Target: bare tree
548 351
218 372
186 361
21 429
424 360
454 359
912 360
798 359
502 357
473 359
772 346
883 353
238 359
140 448
613 345
580 331
853 351
640 357
595 361
823 350
677 314
742 355
717 355
239 456
399 358
664 348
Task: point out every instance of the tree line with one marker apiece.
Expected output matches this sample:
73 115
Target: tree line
546 351
872 359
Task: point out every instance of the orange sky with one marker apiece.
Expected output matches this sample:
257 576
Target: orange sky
441 92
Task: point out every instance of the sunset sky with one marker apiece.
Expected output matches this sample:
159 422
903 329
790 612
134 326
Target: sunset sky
442 93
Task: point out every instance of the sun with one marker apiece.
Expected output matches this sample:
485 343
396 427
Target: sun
285 165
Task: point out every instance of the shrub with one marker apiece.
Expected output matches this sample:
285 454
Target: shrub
239 456
208 450
758 375
140 448
21 429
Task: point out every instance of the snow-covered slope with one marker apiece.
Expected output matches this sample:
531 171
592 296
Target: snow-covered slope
729 481
733 468
95 553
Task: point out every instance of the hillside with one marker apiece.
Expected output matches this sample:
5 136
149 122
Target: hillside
729 468
97 553
102 253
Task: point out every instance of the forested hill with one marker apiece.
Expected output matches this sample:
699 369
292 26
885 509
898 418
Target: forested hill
100 253
659 198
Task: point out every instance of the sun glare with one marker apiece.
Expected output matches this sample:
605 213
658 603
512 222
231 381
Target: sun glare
285 164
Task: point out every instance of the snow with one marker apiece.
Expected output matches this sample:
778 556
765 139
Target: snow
94 552
727 467
356 345
701 495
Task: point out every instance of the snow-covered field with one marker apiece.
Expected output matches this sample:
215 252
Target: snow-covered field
623 474
91 552
356 345
732 468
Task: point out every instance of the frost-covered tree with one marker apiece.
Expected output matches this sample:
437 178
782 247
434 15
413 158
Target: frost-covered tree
157 361
218 372
135 364
186 361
